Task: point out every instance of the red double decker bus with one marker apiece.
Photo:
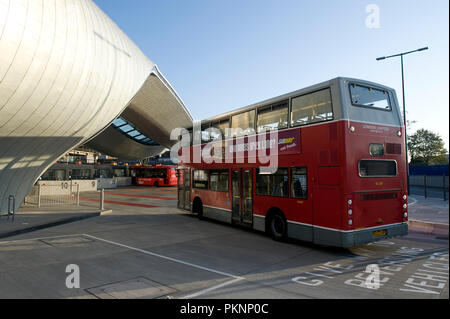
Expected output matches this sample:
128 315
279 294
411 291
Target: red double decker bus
340 176
157 175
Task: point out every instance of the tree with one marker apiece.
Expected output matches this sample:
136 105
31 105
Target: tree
426 148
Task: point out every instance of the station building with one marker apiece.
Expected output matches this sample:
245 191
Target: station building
69 76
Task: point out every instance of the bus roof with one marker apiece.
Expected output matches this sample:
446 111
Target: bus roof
292 94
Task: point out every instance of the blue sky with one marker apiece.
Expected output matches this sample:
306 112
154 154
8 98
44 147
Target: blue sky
222 55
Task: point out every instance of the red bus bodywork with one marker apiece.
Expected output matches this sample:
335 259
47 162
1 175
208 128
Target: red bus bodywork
343 206
157 175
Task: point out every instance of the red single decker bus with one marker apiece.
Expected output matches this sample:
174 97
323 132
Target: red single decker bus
340 172
157 175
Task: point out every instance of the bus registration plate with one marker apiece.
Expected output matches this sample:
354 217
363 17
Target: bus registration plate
379 233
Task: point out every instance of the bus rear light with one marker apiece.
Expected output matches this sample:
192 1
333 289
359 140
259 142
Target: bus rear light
399 133
405 215
405 206
350 222
352 129
350 212
350 202
405 197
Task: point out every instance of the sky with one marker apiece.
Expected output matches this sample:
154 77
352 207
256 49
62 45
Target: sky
223 55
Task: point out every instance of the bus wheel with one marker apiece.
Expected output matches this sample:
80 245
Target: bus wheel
197 207
156 184
277 226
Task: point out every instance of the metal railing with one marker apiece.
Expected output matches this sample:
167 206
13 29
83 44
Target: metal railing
430 186
47 196
51 195
64 194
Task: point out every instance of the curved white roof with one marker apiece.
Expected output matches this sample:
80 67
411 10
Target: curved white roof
66 72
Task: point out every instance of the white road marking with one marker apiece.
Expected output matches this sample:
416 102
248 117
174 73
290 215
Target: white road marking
201 292
163 257
414 201
196 294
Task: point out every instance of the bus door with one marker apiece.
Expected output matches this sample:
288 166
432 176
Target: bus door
242 198
184 189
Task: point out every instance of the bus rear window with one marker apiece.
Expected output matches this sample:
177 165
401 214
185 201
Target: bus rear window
377 168
369 97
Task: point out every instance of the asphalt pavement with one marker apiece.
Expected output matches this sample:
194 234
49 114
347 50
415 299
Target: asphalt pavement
147 248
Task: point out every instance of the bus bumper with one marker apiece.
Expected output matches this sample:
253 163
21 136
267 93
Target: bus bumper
346 239
364 236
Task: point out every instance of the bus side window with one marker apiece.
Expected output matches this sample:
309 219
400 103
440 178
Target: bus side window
243 124
276 184
200 179
218 180
299 184
214 180
273 117
311 108
205 135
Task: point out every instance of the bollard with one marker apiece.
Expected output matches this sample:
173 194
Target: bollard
425 185
11 207
39 196
102 199
78 194
443 187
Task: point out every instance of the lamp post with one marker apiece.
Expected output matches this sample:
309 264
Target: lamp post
403 99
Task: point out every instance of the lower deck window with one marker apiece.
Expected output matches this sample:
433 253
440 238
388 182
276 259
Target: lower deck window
200 179
299 186
155 173
377 168
276 184
219 180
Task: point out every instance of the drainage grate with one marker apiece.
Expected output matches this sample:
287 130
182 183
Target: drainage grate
139 288
67 241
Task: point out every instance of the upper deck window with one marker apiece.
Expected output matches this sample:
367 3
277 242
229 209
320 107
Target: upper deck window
205 133
273 117
369 97
312 108
219 129
243 124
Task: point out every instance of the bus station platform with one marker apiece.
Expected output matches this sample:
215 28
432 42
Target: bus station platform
29 219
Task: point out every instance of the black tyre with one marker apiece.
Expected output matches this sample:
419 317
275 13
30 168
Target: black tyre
197 208
156 184
278 227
